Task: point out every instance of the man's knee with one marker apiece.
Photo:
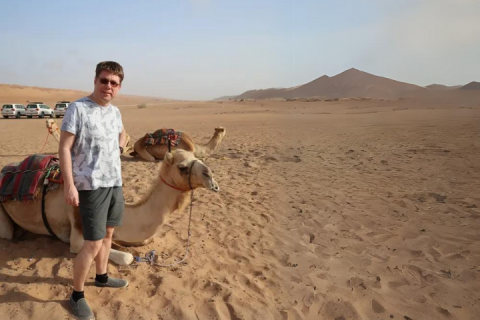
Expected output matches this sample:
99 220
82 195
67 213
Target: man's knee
92 247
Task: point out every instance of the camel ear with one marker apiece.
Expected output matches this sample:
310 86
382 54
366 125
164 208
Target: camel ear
168 159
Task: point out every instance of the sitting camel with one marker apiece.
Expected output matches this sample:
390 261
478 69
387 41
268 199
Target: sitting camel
158 151
178 171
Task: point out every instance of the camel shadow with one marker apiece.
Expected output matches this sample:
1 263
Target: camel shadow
22 259
23 254
20 297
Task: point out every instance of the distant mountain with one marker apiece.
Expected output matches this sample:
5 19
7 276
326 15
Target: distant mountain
440 87
224 98
471 86
350 83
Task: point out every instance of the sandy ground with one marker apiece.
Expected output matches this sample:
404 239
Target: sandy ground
328 210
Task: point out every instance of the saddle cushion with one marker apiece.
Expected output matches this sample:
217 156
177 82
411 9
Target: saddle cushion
20 181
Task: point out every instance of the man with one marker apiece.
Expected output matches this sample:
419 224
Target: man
91 135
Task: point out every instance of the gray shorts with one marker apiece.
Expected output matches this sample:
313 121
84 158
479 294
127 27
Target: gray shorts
100 208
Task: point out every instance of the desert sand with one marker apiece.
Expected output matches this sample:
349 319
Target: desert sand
346 210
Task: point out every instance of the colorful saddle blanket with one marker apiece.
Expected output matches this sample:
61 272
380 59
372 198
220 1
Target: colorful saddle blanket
162 136
20 181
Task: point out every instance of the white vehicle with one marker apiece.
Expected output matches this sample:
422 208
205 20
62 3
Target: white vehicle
60 108
13 110
38 109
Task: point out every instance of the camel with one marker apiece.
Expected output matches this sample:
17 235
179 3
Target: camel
158 151
141 221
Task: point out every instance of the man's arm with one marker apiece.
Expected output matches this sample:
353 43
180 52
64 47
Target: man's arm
66 143
122 138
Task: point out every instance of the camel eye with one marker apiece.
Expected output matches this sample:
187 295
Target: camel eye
183 169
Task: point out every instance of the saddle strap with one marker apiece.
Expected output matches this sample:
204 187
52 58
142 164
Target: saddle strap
44 215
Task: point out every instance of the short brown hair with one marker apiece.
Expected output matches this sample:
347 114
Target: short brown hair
111 66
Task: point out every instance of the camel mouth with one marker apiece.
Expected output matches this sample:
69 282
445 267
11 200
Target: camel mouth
215 187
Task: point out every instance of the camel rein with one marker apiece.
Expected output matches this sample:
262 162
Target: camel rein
150 256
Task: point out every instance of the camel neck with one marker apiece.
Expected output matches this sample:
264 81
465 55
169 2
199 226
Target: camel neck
144 218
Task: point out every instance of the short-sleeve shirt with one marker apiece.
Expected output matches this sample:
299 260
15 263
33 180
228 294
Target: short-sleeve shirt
95 152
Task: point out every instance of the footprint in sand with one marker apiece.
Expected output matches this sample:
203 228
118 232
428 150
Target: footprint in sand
377 307
339 310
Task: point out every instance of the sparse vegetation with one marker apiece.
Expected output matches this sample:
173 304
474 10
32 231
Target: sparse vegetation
142 106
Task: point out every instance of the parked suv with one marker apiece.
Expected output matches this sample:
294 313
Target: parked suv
38 109
13 110
61 108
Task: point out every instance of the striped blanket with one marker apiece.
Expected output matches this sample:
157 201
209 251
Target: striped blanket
162 136
19 181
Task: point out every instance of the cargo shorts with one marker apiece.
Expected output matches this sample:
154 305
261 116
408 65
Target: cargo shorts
100 208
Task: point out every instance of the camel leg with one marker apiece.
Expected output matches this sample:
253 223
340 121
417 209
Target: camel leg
6 225
119 257
76 240
142 152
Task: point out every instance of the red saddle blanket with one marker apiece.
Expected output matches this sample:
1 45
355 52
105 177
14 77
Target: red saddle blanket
162 136
20 181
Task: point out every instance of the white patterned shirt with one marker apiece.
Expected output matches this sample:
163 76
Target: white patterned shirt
95 152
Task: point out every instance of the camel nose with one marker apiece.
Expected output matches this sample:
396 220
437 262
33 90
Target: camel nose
215 186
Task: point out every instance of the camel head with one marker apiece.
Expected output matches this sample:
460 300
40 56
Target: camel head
180 166
128 148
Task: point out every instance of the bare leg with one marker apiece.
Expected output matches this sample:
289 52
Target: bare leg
101 260
83 261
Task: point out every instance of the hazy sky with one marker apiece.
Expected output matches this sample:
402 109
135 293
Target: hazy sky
203 49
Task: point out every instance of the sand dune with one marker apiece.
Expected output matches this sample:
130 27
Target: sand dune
22 94
344 210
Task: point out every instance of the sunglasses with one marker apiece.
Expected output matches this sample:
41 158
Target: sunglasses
106 81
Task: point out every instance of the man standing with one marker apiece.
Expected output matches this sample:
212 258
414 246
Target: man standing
91 137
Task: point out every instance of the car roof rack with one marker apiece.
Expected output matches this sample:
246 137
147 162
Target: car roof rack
35 102
63 101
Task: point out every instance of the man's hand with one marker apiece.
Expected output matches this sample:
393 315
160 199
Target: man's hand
71 195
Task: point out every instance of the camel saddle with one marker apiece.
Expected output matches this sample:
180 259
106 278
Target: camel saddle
163 137
20 180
